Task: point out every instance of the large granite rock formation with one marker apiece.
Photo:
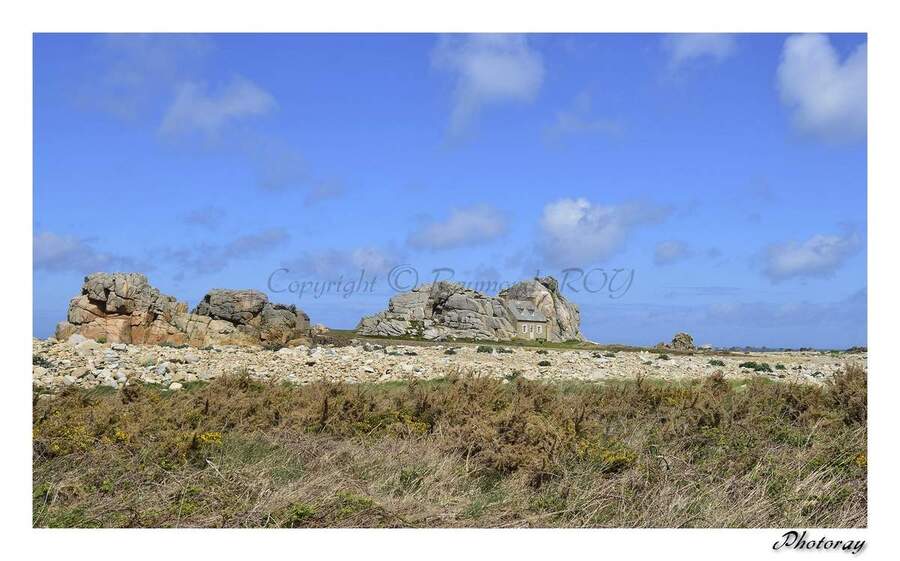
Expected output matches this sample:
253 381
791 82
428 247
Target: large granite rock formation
543 293
125 308
446 310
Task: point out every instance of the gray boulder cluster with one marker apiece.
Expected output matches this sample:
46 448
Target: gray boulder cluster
125 308
446 311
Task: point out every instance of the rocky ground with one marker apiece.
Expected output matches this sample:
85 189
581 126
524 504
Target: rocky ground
87 363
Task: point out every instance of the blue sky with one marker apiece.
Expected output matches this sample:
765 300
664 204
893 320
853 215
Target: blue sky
725 175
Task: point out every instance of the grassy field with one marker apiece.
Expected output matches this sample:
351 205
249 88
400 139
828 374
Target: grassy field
455 452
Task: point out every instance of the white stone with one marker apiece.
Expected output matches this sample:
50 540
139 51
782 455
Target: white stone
76 338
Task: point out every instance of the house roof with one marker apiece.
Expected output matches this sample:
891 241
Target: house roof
525 311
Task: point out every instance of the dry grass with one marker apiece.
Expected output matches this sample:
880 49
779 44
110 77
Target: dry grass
458 452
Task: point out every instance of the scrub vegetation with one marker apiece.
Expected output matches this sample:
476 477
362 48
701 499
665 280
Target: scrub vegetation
460 451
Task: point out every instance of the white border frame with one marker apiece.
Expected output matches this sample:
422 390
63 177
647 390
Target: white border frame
20 21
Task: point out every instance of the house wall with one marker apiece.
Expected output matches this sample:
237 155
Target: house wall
531 330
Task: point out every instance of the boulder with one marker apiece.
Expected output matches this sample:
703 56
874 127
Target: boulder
253 316
683 342
446 311
125 308
234 306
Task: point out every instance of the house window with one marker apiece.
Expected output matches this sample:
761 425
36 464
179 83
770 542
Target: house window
523 328
539 328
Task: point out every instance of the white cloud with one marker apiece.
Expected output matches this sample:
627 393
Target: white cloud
372 259
212 258
670 251
827 96
250 245
488 69
851 310
464 227
332 262
323 191
197 110
129 72
683 48
819 256
579 120
54 252
577 232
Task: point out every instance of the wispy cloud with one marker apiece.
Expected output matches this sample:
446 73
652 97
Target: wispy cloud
131 72
687 47
673 292
851 310
323 191
209 217
577 232
196 109
671 251
819 256
207 258
487 70
56 253
827 97
464 227
328 263
578 119
163 79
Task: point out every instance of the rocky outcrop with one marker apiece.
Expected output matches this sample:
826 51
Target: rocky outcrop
254 316
683 342
564 319
124 307
446 310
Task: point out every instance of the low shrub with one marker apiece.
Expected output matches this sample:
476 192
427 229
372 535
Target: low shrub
756 366
38 360
467 450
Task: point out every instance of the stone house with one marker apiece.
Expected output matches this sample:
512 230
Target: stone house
530 322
